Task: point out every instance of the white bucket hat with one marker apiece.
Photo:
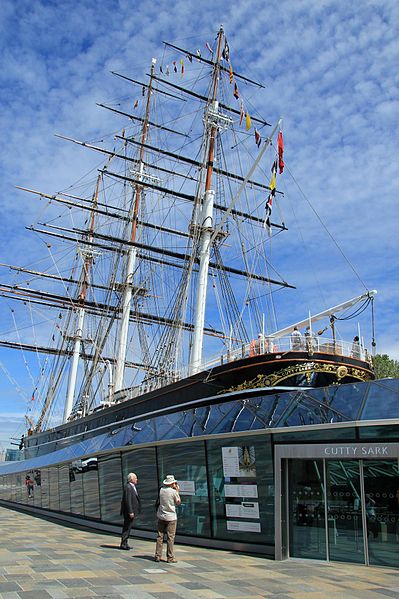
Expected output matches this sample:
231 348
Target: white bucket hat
169 480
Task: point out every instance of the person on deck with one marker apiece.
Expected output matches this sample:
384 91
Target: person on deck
296 340
356 347
310 340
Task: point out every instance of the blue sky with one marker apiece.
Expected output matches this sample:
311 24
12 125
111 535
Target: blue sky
330 69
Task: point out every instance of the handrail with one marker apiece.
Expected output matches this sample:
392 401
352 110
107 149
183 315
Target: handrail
268 346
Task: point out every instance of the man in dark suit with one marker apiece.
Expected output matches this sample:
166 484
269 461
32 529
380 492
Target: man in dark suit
130 508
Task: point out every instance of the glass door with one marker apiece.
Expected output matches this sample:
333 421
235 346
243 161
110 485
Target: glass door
344 511
306 507
381 487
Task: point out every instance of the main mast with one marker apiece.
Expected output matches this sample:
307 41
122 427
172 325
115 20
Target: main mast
132 252
206 217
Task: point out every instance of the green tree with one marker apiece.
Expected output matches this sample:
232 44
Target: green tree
385 366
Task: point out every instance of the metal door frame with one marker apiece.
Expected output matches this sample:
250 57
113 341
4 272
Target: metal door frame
330 451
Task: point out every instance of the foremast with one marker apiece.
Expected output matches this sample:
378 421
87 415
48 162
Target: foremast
77 339
127 284
205 221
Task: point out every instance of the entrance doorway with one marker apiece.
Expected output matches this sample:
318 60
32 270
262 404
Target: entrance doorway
338 509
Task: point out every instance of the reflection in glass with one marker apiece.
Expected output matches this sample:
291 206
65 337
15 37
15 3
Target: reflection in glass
306 509
91 492
64 488
29 482
111 487
19 488
345 527
37 494
143 463
76 487
54 503
187 462
381 485
44 488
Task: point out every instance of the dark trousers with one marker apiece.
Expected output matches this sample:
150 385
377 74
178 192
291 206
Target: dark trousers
127 525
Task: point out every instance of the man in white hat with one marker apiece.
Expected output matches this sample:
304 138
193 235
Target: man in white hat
169 498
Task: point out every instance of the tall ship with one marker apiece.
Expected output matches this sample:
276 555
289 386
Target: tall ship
160 294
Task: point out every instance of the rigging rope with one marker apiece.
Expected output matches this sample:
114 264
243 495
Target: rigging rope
326 229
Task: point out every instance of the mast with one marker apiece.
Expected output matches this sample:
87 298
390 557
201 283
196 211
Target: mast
132 253
77 338
206 218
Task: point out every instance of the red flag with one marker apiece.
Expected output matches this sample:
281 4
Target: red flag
258 138
280 147
33 395
235 93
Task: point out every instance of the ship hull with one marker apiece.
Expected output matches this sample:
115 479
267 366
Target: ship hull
288 369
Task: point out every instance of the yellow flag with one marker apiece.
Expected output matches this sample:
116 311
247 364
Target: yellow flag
247 121
272 183
231 74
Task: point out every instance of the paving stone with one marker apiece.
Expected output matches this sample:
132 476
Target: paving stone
65 562
40 594
9 586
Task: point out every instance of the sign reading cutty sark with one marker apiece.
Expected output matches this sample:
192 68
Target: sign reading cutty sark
340 451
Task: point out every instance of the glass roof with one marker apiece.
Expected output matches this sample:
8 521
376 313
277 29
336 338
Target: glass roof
376 400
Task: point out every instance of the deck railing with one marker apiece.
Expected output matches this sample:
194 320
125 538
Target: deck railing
264 346
282 345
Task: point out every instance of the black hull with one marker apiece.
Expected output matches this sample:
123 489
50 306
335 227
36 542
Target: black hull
289 369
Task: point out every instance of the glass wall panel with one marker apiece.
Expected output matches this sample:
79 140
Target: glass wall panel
381 433
37 490
241 489
64 488
111 487
76 487
381 486
12 487
44 488
345 527
187 462
144 464
20 488
91 492
53 486
324 435
382 400
307 532
8 487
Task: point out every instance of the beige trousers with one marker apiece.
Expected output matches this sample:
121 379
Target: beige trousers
169 528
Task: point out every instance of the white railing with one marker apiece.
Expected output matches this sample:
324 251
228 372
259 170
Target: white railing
284 345
267 346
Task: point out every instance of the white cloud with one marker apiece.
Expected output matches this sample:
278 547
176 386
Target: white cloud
330 69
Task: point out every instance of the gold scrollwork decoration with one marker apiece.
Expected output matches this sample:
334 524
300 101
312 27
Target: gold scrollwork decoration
308 369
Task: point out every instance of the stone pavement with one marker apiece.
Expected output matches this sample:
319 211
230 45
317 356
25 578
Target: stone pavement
40 559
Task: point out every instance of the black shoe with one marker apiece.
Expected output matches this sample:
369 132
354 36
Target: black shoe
125 547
